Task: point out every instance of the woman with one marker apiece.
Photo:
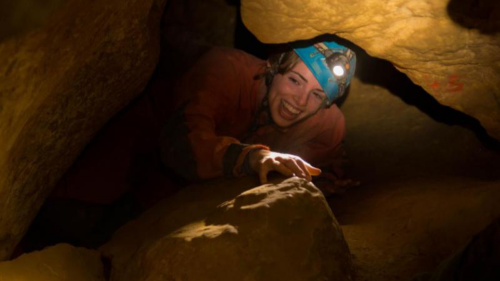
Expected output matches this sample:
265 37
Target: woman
241 115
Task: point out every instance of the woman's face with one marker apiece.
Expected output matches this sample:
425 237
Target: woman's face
294 95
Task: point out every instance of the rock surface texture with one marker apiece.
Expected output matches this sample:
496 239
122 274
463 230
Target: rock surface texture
61 262
221 231
450 48
60 84
428 185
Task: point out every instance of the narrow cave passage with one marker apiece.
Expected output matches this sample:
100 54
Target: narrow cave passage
429 174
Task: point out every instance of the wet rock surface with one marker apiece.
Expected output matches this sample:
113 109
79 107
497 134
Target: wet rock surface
450 48
60 84
222 231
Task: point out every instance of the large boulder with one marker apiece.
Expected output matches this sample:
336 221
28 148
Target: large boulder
60 84
61 262
450 48
226 231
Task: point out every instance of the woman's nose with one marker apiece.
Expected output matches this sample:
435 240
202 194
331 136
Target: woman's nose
301 98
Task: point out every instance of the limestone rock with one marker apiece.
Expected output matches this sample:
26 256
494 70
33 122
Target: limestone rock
60 84
61 262
222 231
450 48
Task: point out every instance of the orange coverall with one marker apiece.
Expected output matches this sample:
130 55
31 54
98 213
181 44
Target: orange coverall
211 132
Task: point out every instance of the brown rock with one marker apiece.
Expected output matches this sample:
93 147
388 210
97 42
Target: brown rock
59 86
420 145
219 231
451 50
25 15
61 262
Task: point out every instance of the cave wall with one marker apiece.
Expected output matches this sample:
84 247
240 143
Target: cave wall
49 121
62 262
450 48
22 16
60 84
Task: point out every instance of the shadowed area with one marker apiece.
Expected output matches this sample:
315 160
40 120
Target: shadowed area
483 15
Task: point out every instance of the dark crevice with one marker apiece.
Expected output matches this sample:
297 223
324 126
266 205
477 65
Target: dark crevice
482 15
380 72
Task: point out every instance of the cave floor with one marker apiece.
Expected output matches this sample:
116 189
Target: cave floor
399 229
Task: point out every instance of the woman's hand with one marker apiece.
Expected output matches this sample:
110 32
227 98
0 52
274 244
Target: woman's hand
263 161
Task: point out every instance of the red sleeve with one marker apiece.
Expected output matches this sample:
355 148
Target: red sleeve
190 144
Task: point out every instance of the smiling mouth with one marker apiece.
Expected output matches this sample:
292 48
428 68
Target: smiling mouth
288 111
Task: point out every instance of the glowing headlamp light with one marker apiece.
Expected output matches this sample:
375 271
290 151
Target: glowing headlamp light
331 64
339 65
338 70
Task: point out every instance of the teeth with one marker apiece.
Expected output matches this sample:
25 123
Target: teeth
291 108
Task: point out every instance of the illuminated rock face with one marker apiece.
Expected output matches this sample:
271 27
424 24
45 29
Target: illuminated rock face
450 48
219 231
61 262
59 85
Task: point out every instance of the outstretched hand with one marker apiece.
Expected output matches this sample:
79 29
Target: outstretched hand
263 161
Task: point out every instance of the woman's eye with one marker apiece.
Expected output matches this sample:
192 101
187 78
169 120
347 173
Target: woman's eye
318 95
294 81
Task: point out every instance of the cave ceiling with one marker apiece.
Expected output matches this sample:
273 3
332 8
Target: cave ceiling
450 48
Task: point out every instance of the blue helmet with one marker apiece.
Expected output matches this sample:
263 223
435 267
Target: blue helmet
332 64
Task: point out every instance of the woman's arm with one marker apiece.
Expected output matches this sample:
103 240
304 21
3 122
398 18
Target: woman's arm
212 92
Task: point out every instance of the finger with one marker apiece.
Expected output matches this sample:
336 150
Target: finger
313 171
263 173
282 169
294 167
303 168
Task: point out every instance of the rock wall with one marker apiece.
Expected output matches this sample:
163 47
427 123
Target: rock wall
450 48
228 230
25 15
61 262
60 84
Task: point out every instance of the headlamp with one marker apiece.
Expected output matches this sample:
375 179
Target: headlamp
332 64
339 64
338 71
